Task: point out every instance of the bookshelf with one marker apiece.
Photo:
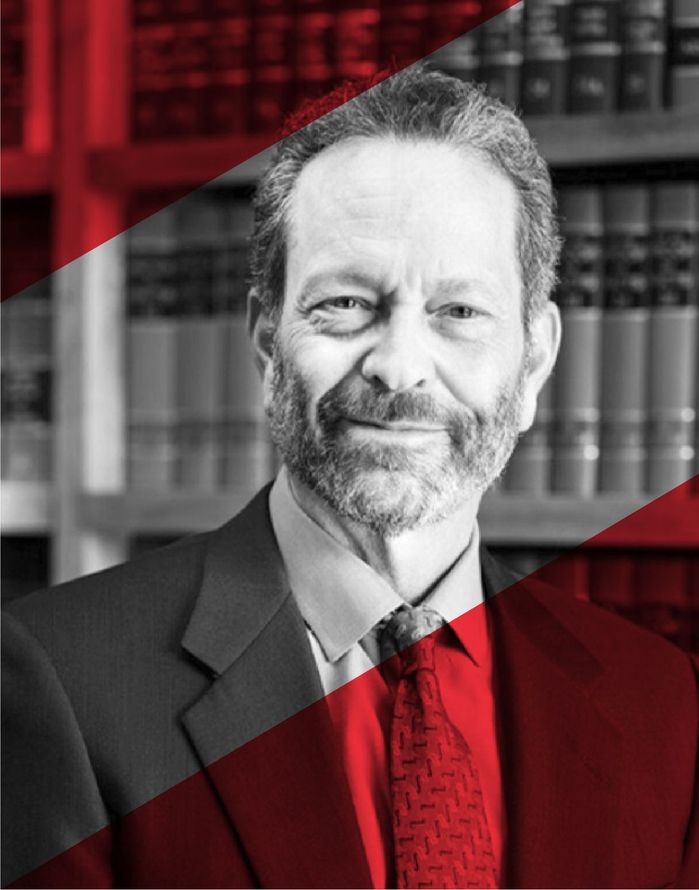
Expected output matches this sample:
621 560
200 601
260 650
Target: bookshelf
506 519
91 169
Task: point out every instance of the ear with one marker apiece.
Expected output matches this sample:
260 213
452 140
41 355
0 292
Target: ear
260 331
545 340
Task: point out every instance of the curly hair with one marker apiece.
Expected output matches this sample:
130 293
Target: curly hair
415 103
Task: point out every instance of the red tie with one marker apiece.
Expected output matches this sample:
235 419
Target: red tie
440 830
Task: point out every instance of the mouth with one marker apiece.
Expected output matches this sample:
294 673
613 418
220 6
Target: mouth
397 427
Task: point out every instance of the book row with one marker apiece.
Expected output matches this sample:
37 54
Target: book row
232 66
658 590
231 74
619 413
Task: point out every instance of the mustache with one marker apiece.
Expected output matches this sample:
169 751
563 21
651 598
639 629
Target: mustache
346 399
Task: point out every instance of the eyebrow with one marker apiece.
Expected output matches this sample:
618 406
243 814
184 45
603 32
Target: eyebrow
352 277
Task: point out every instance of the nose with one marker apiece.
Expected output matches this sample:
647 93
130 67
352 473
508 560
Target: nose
400 359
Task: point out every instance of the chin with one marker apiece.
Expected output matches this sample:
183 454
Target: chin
391 502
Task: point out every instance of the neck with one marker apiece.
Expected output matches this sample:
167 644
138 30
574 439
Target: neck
412 561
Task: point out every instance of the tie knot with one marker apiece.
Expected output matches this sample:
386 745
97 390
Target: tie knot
403 629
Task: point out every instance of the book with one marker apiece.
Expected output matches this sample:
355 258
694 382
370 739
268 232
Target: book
500 46
403 31
546 35
612 581
27 342
661 589
459 57
625 338
151 351
26 421
594 56
673 333
356 38
272 68
529 468
643 37
14 64
683 54
247 454
200 341
577 379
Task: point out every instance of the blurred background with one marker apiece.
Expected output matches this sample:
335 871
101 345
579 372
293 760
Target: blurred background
131 411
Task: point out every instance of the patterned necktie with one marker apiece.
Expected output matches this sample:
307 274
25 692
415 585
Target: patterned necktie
440 831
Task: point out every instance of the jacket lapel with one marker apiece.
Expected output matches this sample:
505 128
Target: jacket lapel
561 758
262 729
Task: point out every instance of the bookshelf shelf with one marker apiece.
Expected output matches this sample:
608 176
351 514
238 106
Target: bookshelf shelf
162 165
25 508
505 520
568 141
601 140
26 174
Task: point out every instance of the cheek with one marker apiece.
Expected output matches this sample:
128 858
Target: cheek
320 362
476 373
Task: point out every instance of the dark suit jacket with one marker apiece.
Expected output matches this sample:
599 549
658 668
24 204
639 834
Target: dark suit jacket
124 684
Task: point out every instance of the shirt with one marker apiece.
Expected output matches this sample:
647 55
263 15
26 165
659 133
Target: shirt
342 599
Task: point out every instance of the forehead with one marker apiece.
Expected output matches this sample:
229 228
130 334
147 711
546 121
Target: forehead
439 204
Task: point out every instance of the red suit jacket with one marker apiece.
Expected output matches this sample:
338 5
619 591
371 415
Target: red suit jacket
165 726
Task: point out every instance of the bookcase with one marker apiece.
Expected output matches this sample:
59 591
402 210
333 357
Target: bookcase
90 169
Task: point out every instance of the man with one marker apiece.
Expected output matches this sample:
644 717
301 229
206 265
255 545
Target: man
403 258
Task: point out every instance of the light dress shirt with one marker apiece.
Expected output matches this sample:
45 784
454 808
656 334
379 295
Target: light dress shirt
342 599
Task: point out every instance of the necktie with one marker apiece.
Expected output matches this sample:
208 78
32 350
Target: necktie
440 830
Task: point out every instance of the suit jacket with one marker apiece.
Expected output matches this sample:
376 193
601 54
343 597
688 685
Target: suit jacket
139 748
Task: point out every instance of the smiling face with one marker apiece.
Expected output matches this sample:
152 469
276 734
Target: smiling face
397 382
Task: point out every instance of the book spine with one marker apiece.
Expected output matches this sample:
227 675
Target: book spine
152 352
594 56
247 454
501 55
14 63
356 38
662 587
199 342
26 421
529 468
612 582
624 338
403 30
643 52
459 57
673 333
579 295
546 27
683 52
272 71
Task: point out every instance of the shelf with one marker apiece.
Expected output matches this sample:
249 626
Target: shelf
164 165
25 174
569 521
602 140
565 140
166 512
25 508
505 521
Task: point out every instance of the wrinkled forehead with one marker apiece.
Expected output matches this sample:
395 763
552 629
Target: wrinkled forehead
440 203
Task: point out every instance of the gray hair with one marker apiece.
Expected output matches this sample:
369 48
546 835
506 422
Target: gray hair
413 104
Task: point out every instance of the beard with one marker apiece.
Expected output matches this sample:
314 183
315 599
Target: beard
390 487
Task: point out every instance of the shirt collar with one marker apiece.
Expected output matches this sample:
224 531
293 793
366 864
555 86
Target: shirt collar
341 598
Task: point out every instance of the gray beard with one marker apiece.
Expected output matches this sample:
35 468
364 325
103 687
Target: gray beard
387 487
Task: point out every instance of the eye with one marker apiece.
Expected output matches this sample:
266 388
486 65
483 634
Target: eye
342 303
459 311
343 314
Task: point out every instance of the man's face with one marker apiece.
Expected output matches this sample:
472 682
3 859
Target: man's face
399 380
